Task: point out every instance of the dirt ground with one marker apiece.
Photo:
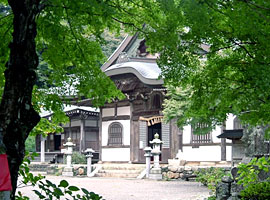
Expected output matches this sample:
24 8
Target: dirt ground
132 189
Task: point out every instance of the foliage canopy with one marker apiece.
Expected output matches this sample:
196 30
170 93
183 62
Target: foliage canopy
215 60
69 41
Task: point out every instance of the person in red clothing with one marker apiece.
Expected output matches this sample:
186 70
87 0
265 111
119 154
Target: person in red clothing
5 179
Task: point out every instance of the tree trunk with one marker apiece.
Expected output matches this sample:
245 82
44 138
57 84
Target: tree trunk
17 116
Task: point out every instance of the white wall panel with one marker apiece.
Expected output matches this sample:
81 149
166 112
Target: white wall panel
123 110
107 112
115 154
186 134
229 121
203 153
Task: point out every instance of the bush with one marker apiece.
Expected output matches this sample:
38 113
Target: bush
249 176
30 144
256 191
210 177
249 173
78 158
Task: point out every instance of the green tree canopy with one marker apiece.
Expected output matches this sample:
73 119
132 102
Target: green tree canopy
215 60
67 36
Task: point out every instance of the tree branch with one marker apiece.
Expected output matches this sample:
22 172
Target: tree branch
256 5
73 32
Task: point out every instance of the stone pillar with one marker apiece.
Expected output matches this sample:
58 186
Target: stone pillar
223 188
42 149
147 155
68 170
89 154
155 172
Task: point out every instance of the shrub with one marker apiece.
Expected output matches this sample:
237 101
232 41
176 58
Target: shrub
30 144
78 158
210 177
249 173
256 191
249 177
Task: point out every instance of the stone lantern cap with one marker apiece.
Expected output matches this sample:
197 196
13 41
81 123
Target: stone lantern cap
156 140
69 143
89 150
147 149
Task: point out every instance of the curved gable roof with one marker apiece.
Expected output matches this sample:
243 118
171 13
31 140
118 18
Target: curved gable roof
148 73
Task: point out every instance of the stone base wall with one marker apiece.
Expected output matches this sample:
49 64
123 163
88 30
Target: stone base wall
180 169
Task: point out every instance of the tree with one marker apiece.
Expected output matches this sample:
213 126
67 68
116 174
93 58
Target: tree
215 60
67 35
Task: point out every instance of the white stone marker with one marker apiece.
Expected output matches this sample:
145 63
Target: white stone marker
147 155
68 170
42 149
89 154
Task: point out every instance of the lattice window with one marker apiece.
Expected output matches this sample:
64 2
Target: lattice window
200 139
115 134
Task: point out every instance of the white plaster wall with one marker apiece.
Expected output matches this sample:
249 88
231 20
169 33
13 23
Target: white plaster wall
115 154
123 110
215 133
126 131
229 121
229 153
107 112
186 134
203 153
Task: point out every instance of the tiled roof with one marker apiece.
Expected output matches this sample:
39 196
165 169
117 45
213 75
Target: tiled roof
147 72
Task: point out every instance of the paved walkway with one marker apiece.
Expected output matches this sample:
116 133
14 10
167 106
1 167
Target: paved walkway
133 189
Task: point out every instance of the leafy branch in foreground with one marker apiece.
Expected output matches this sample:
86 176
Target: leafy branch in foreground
47 189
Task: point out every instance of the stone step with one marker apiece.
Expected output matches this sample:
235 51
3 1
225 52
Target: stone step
121 171
38 167
123 167
116 175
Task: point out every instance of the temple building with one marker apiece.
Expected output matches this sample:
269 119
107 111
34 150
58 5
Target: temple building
120 130
127 126
83 129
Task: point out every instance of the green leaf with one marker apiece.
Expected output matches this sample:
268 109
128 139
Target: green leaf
73 188
85 191
58 192
39 194
63 183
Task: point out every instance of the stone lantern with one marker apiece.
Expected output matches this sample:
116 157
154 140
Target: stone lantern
89 154
68 170
147 151
155 173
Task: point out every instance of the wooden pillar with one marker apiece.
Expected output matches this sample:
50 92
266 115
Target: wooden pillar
69 134
100 134
132 147
174 139
223 144
82 135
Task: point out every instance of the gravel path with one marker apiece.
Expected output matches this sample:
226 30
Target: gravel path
133 189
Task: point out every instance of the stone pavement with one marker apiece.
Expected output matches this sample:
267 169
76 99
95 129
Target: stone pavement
132 189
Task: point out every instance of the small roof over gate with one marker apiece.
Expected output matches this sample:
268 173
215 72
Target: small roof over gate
232 134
